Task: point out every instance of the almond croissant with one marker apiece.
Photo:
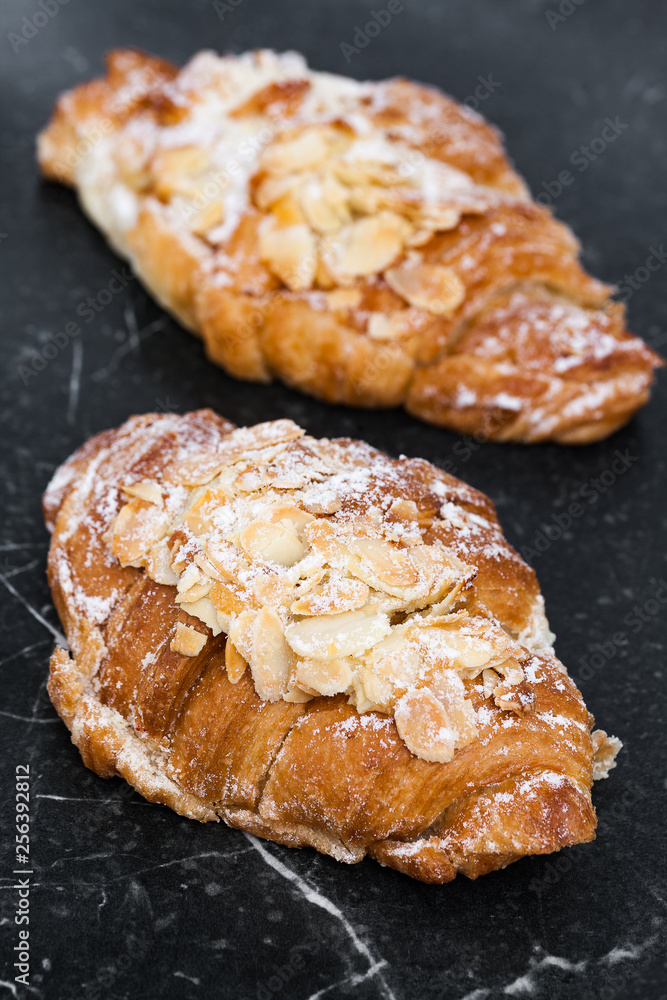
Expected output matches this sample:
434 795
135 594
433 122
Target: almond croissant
367 243
315 643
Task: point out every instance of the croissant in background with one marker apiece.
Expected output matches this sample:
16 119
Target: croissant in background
367 243
314 643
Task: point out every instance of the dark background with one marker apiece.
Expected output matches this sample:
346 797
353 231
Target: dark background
130 900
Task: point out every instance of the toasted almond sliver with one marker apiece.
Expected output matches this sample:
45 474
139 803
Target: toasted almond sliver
277 543
200 469
511 670
424 726
448 687
290 253
344 298
146 489
325 637
491 680
272 659
226 600
272 188
433 287
419 238
234 662
176 168
383 327
137 528
194 593
204 609
198 519
158 564
337 595
296 153
242 631
207 218
321 216
518 698
321 534
369 245
187 641
189 578
296 696
327 677
389 565
392 667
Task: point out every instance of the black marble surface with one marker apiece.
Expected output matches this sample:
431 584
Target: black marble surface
128 900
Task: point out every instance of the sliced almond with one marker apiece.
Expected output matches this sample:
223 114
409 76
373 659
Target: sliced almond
242 632
272 188
344 298
433 287
226 600
146 489
296 152
329 636
200 469
187 641
176 169
323 206
272 588
287 211
326 677
296 695
158 564
277 543
419 238
336 595
424 726
511 670
234 662
491 680
272 659
206 218
195 471
189 578
369 245
448 687
292 515
383 564
194 593
384 327
137 528
392 667
321 534
290 253
353 172
204 609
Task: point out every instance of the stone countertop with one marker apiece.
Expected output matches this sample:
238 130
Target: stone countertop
129 900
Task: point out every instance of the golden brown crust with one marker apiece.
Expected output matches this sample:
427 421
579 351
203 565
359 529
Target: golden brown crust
319 773
370 274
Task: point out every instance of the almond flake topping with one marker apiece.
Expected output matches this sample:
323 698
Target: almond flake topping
323 566
339 195
187 641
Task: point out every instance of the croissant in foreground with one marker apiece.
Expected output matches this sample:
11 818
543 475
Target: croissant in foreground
315 643
367 243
